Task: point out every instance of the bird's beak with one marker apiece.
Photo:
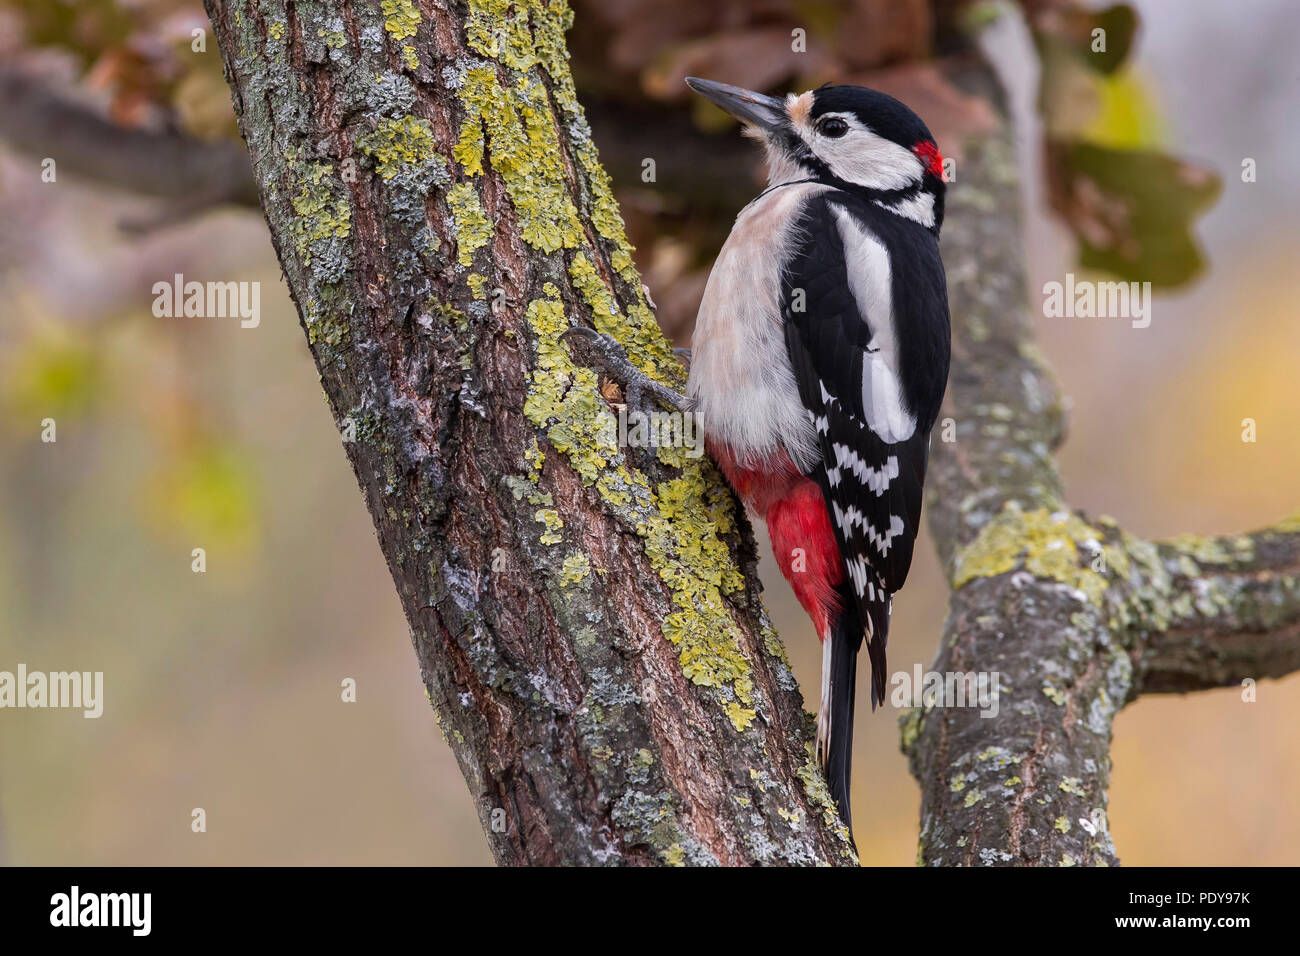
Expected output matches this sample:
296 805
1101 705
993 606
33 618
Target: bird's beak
765 112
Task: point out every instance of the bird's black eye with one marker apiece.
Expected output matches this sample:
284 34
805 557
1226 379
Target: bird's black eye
833 127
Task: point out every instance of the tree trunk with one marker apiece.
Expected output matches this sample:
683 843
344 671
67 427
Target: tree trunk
586 616
1077 616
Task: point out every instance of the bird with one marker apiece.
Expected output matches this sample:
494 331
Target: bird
818 365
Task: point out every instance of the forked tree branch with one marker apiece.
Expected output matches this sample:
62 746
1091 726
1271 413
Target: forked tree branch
1077 616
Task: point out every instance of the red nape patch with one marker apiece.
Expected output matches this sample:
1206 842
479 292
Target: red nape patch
930 155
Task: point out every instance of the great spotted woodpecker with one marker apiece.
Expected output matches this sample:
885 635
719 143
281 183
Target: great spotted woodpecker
819 362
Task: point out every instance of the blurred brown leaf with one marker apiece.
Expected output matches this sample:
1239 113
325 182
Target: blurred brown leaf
758 59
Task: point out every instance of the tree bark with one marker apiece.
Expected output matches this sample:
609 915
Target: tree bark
1077 616
586 616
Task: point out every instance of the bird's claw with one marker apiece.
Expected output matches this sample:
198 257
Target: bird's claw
611 357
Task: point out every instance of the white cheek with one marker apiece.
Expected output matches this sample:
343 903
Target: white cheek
869 160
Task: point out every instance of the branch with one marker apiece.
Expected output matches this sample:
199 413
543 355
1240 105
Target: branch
1076 616
586 616
1234 613
39 122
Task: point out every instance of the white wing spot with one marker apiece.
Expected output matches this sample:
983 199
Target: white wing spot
851 518
876 479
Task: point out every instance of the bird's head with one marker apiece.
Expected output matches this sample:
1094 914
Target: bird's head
841 135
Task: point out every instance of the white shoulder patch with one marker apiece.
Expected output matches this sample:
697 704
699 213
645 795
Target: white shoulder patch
918 208
870 280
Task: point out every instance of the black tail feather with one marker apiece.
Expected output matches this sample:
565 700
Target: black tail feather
878 638
846 637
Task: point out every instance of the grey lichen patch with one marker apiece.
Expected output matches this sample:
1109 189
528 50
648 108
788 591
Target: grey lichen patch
608 690
323 217
332 32
638 766
651 819
391 94
990 857
464 590
999 758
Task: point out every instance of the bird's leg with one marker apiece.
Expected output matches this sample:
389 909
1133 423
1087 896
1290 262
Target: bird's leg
611 357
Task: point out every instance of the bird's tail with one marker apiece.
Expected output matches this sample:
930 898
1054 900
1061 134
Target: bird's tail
877 637
840 668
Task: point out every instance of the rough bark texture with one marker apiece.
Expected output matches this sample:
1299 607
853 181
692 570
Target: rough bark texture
586 617
1077 616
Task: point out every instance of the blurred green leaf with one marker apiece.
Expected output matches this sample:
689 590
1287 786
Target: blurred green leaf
52 375
1126 116
1120 24
204 494
1132 209
1100 39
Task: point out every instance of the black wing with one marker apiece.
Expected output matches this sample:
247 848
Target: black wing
871 474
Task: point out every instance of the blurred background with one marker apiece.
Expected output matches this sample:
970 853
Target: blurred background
222 689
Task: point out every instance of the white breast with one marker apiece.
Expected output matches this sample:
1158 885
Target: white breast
741 380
